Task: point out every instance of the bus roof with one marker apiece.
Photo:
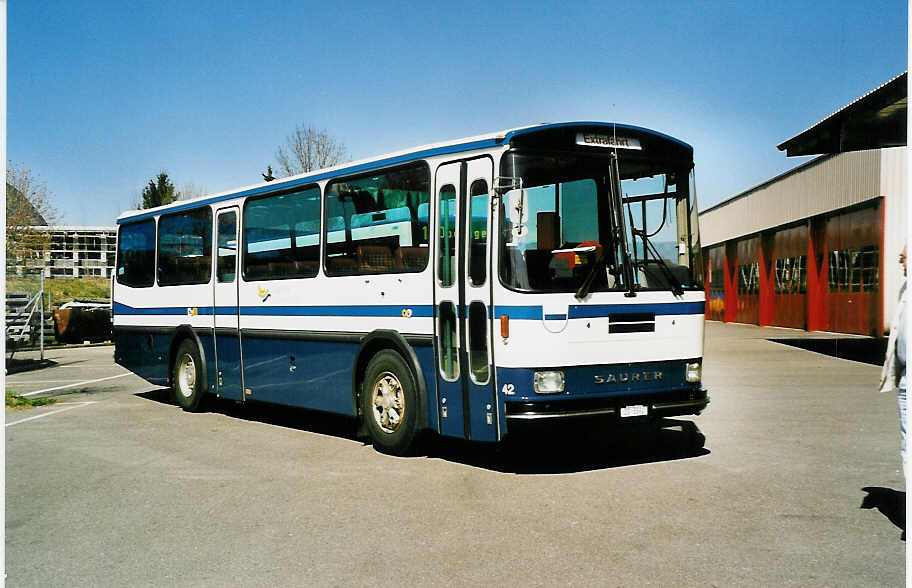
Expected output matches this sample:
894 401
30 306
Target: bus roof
363 165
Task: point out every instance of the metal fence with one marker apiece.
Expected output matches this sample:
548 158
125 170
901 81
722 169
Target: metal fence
29 324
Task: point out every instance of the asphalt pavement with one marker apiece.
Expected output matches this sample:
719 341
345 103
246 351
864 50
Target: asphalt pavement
114 486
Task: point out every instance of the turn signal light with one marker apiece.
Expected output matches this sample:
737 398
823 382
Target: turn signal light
505 326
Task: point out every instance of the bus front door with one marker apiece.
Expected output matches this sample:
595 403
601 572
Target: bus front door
229 376
467 404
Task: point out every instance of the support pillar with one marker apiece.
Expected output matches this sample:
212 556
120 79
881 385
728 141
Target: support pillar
818 284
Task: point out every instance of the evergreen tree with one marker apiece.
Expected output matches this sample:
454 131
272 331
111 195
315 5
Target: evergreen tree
157 194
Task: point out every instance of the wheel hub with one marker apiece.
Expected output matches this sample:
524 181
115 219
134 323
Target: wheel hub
388 402
186 379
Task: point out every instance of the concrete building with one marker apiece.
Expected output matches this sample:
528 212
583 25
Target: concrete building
816 247
73 252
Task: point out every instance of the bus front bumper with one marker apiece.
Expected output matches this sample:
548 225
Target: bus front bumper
668 404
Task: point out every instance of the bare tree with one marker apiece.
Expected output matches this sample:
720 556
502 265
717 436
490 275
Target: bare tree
191 191
28 206
308 149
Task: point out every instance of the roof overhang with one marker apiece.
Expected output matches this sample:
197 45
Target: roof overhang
875 120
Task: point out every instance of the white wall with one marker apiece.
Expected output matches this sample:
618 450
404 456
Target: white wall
894 171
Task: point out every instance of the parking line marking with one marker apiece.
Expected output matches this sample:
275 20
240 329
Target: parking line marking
41 416
11 381
74 385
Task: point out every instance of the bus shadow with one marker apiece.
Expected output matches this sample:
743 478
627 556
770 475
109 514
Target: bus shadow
552 449
290 417
577 448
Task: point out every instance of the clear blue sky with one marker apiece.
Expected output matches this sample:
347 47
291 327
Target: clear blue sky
103 95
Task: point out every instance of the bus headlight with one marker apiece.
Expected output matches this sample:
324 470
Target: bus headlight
694 372
549 382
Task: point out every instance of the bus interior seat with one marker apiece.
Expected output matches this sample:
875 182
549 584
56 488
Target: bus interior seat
279 268
411 258
375 257
339 264
306 267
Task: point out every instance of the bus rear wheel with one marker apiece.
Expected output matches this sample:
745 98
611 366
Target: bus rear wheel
187 376
389 403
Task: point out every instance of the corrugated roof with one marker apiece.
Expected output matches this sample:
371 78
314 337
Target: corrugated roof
896 85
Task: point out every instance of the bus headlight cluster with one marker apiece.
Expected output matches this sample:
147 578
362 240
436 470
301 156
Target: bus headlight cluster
694 372
549 382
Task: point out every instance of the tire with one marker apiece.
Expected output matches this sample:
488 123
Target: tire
187 386
389 403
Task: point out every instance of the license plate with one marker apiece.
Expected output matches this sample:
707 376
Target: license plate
634 410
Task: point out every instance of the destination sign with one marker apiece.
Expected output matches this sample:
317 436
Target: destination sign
597 140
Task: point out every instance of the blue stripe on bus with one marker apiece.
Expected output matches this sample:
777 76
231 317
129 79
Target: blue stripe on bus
600 310
424 310
519 312
124 309
415 155
660 308
420 311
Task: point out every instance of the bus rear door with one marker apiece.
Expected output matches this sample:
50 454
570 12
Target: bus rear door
229 377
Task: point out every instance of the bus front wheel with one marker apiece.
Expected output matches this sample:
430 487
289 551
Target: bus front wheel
187 376
389 403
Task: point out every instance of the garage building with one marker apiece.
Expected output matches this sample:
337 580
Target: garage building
816 247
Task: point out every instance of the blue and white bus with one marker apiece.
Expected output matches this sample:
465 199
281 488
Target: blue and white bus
548 272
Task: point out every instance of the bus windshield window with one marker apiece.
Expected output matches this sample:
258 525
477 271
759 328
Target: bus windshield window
662 246
560 224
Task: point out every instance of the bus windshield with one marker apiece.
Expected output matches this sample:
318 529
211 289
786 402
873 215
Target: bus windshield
566 226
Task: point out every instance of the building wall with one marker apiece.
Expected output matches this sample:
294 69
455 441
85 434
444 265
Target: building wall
894 171
819 186
73 252
799 230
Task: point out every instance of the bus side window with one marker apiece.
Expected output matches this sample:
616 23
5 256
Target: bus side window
282 235
478 232
449 340
136 254
446 268
373 222
226 260
478 342
185 247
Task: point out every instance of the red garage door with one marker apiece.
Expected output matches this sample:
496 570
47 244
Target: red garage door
747 270
789 249
853 246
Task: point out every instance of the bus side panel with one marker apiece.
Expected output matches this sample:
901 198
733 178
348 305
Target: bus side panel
207 350
295 372
425 355
143 353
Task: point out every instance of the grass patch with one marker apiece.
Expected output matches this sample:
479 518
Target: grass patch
63 290
13 400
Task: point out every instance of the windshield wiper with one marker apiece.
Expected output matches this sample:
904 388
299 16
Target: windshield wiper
599 262
676 287
618 232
